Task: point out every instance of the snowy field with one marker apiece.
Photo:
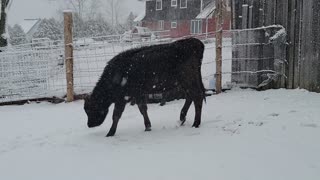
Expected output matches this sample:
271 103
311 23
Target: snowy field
245 135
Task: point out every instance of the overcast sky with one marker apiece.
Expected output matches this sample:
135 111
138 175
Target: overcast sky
24 9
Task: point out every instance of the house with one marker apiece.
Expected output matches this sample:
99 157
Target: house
138 20
30 26
183 17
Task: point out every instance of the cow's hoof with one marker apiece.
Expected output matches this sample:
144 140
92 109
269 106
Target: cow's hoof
147 129
110 134
196 125
182 120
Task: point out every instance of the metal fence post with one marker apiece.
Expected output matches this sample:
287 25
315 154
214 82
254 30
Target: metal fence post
68 24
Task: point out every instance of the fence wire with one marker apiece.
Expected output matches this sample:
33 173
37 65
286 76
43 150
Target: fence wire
37 70
31 71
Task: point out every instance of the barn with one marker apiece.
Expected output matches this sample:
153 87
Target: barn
183 17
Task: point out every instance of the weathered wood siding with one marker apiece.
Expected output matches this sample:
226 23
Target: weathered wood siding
302 23
309 61
254 56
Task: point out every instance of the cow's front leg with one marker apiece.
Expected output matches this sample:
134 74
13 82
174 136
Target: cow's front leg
143 110
117 112
185 109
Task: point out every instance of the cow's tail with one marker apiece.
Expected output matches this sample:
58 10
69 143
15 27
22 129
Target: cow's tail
203 90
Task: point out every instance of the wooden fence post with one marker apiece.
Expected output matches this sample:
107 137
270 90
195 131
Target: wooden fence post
219 22
68 24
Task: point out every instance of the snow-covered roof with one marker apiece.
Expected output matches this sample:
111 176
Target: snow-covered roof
141 29
207 11
140 17
27 24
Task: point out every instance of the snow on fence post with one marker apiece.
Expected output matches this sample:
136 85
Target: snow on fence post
68 24
219 22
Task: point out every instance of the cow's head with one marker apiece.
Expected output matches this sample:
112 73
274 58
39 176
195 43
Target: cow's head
95 111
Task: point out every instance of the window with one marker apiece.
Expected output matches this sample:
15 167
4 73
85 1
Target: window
158 4
174 3
161 25
174 24
183 3
196 27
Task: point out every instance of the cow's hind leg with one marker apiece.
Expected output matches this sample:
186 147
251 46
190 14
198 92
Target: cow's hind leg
198 101
184 110
117 112
195 93
143 110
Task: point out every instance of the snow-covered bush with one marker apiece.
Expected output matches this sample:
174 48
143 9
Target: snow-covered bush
49 28
17 35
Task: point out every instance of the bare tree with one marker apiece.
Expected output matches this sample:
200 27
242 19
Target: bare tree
94 9
114 9
86 9
78 6
4 5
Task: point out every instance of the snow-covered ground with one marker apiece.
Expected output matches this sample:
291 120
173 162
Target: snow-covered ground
245 135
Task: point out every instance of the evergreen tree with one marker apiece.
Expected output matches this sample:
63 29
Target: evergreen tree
17 35
97 27
49 28
78 26
130 21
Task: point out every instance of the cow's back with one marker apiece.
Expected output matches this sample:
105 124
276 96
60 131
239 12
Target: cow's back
157 68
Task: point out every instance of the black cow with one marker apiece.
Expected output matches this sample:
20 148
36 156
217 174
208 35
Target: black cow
153 69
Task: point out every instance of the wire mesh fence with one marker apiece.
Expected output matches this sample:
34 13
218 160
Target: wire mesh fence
259 57
92 54
31 71
91 59
37 70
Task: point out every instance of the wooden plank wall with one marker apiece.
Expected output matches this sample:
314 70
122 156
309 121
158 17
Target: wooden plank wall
309 59
249 14
301 20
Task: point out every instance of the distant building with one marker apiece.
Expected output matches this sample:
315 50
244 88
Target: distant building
29 27
183 17
138 20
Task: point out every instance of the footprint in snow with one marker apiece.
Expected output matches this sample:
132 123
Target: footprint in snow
274 114
256 123
193 134
212 121
310 125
